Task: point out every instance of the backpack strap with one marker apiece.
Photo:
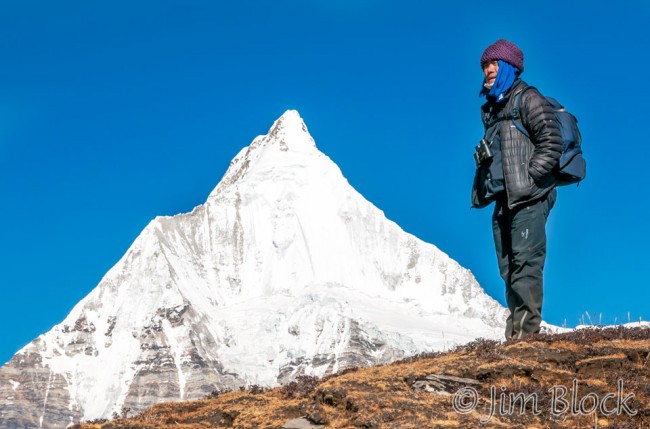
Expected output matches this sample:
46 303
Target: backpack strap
513 114
516 111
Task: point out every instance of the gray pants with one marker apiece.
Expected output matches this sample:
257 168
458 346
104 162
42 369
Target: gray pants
520 241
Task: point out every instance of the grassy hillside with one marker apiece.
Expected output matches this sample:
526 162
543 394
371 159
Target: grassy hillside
583 379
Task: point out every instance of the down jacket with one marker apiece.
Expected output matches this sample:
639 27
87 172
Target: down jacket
528 163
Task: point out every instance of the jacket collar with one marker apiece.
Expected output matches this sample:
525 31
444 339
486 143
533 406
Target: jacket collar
491 101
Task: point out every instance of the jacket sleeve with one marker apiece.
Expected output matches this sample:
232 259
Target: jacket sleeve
538 118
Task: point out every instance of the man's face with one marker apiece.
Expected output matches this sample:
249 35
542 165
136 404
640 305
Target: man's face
490 70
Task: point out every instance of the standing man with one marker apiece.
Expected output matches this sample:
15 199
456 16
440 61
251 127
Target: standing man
515 172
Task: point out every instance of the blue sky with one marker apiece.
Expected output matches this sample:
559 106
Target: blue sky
112 113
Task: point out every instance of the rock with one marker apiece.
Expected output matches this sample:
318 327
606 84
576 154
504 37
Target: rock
442 384
301 423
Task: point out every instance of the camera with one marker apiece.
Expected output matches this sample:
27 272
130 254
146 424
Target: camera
483 152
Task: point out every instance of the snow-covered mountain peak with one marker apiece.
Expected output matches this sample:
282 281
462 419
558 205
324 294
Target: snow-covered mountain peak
290 125
285 271
288 134
287 145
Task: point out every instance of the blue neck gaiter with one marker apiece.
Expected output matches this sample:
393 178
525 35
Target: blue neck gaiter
505 77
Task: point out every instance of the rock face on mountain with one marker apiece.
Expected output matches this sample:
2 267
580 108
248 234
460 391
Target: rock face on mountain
286 270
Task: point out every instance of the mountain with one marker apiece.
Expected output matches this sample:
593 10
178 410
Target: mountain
286 270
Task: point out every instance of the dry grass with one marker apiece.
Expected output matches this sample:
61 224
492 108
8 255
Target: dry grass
385 397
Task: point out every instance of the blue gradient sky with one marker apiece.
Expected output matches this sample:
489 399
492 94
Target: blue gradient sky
112 113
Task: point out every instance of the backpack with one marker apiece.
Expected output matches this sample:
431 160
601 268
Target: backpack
572 167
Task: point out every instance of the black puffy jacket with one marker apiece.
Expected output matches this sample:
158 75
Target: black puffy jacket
528 163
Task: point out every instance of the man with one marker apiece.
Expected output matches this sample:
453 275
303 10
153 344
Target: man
515 172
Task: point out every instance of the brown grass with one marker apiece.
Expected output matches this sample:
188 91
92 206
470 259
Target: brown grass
385 397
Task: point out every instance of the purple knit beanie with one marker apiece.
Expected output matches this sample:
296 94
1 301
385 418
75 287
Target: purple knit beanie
506 51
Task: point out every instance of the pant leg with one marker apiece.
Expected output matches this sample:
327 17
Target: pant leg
528 247
503 245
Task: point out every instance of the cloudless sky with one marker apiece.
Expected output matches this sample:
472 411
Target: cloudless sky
114 112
